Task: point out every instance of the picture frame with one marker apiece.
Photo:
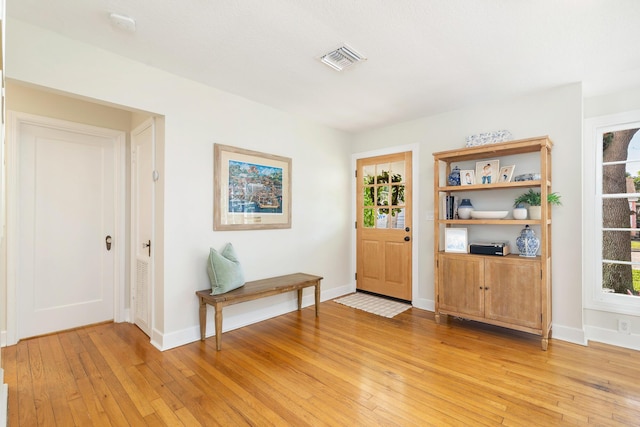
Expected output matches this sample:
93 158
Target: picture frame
487 171
467 177
252 190
455 240
506 173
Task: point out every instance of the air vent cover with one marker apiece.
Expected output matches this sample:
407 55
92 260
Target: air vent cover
342 58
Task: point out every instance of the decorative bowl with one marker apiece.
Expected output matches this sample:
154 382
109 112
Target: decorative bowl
489 214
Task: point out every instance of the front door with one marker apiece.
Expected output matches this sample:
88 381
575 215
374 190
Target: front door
66 226
384 233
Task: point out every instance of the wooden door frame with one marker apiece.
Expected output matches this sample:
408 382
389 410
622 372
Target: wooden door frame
14 121
415 150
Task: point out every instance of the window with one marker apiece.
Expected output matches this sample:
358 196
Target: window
612 213
383 185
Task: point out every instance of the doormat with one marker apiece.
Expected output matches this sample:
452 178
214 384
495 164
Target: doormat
373 304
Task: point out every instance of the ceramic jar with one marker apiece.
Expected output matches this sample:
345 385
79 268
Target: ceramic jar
464 209
528 243
520 212
535 212
454 176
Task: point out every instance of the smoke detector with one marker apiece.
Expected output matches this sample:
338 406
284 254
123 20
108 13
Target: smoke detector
341 58
123 23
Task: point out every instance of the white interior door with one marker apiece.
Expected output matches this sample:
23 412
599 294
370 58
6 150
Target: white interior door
142 188
66 272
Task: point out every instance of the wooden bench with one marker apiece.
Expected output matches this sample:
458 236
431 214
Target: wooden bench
254 290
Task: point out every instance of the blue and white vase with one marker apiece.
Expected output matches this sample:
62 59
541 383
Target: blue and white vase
465 209
454 176
528 244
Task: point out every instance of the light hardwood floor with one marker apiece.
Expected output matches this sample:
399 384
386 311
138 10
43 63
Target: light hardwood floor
346 367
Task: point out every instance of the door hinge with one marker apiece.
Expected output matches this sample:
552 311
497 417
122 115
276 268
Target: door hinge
356 173
355 225
356 276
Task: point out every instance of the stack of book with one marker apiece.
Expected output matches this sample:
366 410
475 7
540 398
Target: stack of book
450 207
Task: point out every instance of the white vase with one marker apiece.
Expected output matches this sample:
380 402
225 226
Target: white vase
520 213
535 212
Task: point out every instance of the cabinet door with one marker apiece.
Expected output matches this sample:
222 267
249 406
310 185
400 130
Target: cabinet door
513 291
460 284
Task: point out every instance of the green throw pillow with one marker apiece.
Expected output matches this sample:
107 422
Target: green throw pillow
225 272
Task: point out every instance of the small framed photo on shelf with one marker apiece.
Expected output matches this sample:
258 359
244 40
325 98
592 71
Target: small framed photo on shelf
487 171
506 173
455 240
467 177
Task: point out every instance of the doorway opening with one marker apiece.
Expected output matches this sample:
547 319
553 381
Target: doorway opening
28 99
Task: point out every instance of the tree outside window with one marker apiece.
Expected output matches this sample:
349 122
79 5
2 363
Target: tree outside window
620 196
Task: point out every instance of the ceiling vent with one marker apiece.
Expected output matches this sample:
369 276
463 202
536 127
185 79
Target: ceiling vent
342 58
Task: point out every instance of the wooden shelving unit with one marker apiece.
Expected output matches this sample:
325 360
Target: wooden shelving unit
512 291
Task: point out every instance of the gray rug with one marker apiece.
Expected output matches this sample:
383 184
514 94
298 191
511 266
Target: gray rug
373 304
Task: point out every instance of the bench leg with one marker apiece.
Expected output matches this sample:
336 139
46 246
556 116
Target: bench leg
203 319
299 299
317 298
218 327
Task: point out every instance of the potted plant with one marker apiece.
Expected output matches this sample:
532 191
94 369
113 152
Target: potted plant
534 200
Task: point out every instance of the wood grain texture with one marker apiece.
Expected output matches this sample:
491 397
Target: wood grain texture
347 367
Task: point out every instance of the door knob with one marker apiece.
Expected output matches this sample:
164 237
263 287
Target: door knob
147 245
407 229
407 238
107 241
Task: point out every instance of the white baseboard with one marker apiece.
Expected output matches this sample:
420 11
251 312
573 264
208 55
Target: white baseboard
613 337
564 333
424 304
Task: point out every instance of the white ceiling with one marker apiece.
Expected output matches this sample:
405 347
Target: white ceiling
424 56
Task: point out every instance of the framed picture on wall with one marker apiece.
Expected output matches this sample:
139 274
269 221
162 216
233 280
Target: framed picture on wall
455 240
252 190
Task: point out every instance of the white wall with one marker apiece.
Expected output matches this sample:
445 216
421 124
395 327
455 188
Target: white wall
612 103
557 113
196 117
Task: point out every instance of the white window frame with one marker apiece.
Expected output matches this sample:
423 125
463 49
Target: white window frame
594 297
